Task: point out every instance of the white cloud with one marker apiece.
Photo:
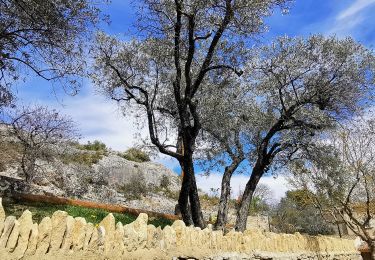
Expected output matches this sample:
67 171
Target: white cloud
350 18
277 185
96 117
354 9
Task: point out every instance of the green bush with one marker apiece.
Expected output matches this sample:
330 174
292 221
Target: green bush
165 182
91 153
135 189
135 155
94 146
85 158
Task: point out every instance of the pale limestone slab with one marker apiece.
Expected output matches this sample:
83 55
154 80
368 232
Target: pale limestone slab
26 223
59 222
79 233
8 227
33 240
44 236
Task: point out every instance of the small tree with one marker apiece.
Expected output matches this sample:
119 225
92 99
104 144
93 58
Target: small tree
340 174
297 213
41 132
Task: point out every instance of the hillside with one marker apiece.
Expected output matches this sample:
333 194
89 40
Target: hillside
101 176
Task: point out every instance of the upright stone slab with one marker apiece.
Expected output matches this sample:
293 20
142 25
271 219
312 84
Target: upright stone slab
169 238
68 236
154 236
180 229
8 227
93 244
2 212
44 236
79 233
59 220
140 226
108 223
88 235
26 223
33 240
118 245
13 238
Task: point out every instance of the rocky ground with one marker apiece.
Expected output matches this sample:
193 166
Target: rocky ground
113 179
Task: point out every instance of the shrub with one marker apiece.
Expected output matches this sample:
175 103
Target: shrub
85 158
135 155
94 146
164 182
136 188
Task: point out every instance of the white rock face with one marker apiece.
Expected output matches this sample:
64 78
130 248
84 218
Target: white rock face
121 171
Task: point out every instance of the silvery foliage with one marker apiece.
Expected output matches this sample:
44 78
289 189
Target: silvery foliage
290 91
44 37
340 174
142 73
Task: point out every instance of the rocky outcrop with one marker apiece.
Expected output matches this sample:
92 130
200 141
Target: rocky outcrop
100 182
65 237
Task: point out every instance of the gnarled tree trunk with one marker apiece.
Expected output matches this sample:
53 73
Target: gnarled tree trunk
247 196
222 213
191 214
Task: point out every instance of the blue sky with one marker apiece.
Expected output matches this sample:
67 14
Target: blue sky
99 119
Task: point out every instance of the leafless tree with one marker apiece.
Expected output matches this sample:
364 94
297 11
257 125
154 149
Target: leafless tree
160 74
340 175
41 132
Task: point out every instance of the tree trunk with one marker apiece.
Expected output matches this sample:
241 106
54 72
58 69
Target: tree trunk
183 199
191 214
222 213
195 204
28 167
243 210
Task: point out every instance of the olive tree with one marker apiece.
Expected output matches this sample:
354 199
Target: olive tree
297 212
339 173
160 74
299 88
42 133
45 37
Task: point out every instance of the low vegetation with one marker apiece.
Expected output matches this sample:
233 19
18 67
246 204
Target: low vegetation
41 210
89 154
135 155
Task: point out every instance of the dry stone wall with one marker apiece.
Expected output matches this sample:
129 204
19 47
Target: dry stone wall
65 237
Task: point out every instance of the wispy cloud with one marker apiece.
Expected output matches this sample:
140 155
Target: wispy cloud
354 9
349 19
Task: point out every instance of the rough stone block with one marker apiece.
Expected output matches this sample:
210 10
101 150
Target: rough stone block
8 227
59 221
44 236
